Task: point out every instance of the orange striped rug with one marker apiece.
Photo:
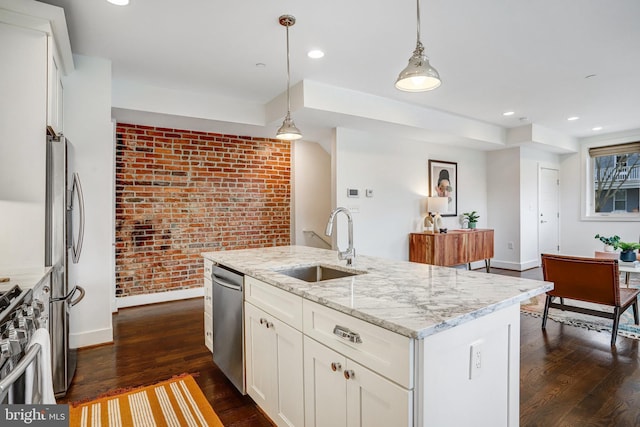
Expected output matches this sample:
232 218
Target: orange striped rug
176 402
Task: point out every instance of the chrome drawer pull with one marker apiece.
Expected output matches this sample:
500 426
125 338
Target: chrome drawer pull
349 374
347 334
336 366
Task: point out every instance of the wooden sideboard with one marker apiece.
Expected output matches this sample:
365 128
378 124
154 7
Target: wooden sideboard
452 248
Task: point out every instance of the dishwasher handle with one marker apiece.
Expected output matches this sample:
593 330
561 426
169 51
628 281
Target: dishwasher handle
220 281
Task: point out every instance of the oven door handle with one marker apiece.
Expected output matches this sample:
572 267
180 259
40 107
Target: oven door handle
70 294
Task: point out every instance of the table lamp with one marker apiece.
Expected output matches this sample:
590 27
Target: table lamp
437 205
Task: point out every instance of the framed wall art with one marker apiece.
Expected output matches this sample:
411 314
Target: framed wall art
443 182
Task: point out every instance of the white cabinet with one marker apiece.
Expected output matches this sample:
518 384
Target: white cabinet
54 89
274 366
341 392
339 389
208 305
273 346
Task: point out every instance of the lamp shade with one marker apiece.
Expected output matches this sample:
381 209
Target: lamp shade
288 131
437 204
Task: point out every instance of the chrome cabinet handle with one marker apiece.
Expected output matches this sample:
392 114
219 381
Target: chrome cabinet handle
349 374
269 325
263 320
336 366
347 334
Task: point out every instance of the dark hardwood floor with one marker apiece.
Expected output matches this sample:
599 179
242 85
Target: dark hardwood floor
569 376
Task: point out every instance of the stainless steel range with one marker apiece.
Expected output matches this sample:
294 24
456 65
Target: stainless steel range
22 313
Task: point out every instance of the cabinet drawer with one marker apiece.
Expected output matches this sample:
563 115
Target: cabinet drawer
385 352
281 304
208 331
208 296
208 268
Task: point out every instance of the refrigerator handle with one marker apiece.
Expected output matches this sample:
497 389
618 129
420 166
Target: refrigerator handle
70 294
76 248
80 298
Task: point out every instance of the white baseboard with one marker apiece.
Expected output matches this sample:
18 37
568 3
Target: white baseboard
159 297
516 266
89 338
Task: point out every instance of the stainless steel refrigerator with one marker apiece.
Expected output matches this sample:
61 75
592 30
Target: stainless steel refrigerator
63 244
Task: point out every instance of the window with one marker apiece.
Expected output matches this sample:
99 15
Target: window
615 178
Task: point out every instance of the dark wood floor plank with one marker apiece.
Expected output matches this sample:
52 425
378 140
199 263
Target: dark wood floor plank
569 376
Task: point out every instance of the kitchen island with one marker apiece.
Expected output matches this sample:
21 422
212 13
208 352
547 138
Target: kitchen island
416 344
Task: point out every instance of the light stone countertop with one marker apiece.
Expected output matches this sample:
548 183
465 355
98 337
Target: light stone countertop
25 278
415 300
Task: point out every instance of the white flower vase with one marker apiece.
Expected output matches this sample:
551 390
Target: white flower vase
608 248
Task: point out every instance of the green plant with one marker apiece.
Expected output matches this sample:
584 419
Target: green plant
611 241
628 246
471 216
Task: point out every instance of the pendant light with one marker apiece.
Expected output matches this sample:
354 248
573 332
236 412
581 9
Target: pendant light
419 75
288 131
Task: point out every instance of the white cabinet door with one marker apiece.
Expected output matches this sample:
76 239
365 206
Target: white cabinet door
373 401
54 89
325 388
274 367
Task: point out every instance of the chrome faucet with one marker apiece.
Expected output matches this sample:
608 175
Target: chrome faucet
350 253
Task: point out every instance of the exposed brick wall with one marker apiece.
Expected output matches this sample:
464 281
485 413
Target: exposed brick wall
180 193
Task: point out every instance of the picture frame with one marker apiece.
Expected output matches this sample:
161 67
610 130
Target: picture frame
439 171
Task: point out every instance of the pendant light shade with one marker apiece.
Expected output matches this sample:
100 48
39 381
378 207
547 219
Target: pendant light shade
419 75
288 131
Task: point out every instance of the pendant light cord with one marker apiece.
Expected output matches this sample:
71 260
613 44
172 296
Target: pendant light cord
418 14
288 76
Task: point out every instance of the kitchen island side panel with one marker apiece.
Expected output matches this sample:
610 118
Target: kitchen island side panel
476 364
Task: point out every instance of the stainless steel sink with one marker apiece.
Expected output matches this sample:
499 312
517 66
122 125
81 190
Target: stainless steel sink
317 273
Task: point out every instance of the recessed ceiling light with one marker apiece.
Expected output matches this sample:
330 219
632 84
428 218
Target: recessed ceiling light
315 54
508 113
597 128
572 118
261 65
119 2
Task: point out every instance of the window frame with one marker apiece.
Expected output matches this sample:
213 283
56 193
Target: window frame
588 183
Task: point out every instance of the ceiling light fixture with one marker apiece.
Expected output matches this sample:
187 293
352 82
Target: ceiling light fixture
419 75
508 113
573 118
119 2
288 131
597 128
315 54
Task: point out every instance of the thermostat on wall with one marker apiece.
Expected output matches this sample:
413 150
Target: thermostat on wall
352 192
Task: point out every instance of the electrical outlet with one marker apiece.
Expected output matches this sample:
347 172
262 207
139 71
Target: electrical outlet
509 245
475 360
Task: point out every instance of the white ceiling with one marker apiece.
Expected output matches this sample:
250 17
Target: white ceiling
530 57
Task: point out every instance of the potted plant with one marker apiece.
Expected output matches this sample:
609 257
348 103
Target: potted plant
472 218
628 251
610 243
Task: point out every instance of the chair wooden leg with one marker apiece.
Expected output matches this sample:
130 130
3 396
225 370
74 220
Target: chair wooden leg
635 312
546 311
616 321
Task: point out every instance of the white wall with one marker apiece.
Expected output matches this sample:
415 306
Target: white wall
576 234
396 170
503 183
311 192
87 112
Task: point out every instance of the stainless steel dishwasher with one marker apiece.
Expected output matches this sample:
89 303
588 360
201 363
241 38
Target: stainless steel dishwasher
228 336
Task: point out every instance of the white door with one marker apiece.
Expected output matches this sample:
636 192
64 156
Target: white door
325 388
373 401
549 212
